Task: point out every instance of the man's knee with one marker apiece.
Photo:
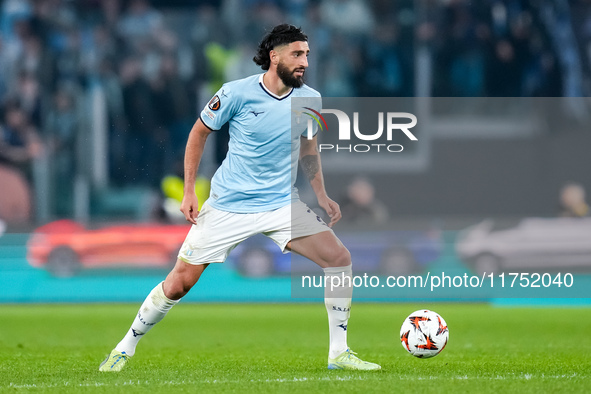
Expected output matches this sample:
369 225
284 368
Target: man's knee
176 287
341 257
181 279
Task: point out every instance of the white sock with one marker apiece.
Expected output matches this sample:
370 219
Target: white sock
338 306
154 308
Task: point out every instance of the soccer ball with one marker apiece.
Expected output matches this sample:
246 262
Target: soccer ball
424 334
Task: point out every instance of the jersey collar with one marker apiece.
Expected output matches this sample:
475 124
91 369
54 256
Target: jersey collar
262 84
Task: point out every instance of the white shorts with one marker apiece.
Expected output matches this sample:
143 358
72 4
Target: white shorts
218 232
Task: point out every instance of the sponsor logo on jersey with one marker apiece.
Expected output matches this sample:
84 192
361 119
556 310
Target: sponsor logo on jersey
210 114
214 104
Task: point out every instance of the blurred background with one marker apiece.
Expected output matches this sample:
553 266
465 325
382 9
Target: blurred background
97 99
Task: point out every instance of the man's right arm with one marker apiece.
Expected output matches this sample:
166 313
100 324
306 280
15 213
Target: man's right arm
193 153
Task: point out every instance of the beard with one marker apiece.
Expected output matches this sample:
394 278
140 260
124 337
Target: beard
288 77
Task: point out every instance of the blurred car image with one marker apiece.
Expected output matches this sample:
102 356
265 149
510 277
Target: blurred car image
64 247
552 244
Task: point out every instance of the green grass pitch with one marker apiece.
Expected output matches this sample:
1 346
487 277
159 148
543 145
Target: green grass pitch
283 347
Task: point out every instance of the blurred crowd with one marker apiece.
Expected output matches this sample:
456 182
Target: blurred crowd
157 62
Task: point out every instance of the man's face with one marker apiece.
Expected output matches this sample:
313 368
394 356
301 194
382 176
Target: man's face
293 61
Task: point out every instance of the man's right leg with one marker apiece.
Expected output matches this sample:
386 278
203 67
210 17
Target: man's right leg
160 300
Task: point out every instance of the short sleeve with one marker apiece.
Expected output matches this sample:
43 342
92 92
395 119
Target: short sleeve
220 109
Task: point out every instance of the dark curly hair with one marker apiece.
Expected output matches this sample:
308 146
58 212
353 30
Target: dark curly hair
280 35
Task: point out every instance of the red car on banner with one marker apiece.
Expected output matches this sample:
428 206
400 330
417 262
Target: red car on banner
64 246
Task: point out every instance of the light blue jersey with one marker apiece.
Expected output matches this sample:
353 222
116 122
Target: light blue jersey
259 171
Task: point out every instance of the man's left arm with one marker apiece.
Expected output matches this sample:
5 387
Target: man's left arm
312 167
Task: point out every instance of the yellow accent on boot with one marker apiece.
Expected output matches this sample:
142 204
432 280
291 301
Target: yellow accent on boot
114 362
349 360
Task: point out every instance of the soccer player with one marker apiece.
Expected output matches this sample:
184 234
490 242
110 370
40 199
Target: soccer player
253 192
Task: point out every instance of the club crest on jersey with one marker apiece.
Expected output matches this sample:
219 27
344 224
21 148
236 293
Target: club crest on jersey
214 103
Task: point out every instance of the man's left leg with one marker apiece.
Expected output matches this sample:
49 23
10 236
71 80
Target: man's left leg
326 250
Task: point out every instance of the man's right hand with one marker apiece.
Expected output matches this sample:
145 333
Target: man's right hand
190 207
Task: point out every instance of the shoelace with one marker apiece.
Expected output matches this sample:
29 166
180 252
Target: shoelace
354 358
119 357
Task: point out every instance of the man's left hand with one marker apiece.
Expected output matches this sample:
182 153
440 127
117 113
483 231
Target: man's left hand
332 209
